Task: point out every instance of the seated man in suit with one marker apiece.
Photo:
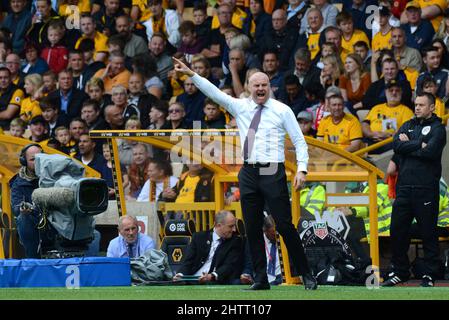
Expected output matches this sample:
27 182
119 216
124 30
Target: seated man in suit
214 255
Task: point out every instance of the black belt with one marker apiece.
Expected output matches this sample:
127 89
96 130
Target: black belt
257 164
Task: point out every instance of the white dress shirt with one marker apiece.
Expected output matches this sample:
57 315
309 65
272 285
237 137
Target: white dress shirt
206 266
277 119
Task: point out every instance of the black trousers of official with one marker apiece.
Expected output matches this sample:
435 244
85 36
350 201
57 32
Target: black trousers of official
260 186
423 205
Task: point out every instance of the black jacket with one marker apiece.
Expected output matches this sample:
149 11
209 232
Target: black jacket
21 190
75 103
283 42
420 166
228 257
263 26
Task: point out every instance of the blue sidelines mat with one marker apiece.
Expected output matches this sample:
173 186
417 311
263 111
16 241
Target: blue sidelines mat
72 272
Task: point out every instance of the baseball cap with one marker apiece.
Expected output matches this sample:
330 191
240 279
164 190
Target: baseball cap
384 11
305 115
391 84
38 119
413 4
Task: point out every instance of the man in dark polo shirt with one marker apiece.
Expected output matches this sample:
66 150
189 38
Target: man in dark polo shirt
10 98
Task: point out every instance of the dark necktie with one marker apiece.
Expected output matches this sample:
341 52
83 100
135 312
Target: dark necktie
250 137
130 250
272 262
214 258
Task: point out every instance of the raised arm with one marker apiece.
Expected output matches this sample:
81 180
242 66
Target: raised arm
207 88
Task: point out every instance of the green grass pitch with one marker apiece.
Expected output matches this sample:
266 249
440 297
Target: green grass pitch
225 293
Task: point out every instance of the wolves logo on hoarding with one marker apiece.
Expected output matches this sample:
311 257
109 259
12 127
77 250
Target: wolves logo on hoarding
177 255
320 229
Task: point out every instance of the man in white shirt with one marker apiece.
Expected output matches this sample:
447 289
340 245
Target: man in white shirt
262 179
160 177
130 242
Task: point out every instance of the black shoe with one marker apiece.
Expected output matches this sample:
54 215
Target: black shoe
392 280
309 282
259 286
427 281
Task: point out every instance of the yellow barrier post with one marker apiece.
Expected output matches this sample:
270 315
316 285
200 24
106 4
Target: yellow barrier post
117 175
6 194
295 218
373 225
2 252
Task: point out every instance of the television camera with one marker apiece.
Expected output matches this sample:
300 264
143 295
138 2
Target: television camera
68 202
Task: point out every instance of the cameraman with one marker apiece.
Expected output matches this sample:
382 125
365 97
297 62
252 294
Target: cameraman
22 186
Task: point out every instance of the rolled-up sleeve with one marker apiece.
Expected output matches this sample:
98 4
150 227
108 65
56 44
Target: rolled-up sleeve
297 138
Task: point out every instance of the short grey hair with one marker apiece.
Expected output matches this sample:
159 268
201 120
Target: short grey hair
119 88
303 54
240 41
333 91
221 216
122 219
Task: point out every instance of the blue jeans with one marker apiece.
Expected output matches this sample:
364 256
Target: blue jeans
28 234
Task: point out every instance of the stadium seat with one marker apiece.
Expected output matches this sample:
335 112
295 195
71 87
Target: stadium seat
240 228
177 236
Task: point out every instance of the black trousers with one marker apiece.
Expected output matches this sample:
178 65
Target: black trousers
260 186
423 205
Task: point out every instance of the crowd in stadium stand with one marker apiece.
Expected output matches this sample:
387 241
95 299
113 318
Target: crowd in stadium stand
348 69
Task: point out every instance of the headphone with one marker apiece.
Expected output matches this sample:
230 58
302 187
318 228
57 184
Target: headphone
22 158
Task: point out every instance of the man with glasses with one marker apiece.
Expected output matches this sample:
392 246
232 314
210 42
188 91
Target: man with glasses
120 99
237 15
12 62
176 118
